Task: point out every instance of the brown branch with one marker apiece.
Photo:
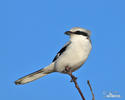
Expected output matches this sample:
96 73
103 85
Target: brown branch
73 79
93 97
76 85
69 72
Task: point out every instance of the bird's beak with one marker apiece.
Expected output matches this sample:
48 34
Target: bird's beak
68 32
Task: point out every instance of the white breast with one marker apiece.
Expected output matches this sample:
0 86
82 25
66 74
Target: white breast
75 55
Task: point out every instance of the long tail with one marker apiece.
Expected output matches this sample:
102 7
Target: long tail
35 75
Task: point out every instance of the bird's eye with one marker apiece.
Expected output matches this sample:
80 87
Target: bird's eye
77 32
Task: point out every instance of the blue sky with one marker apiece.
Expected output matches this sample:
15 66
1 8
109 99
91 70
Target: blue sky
32 32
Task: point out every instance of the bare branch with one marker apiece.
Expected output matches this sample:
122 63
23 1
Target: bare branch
93 97
69 72
73 79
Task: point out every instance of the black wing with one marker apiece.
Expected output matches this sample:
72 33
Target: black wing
61 51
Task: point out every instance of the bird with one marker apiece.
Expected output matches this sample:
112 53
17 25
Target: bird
72 55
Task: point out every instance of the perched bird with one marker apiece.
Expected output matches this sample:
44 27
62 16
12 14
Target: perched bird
73 54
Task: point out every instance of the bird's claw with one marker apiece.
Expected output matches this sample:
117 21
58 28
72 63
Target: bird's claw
67 69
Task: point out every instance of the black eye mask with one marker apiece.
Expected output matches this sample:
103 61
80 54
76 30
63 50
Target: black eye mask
81 33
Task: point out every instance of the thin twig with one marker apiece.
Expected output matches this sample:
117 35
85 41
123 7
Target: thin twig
76 85
93 97
69 72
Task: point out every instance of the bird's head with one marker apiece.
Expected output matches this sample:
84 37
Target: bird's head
78 31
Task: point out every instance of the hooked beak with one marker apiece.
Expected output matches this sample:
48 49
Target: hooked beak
68 32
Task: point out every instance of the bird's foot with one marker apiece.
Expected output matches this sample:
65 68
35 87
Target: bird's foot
69 72
68 69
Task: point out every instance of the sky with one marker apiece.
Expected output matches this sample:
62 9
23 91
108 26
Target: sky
32 32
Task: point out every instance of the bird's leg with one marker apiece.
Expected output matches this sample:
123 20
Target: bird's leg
69 72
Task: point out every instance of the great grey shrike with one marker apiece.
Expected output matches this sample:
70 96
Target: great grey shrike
73 54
